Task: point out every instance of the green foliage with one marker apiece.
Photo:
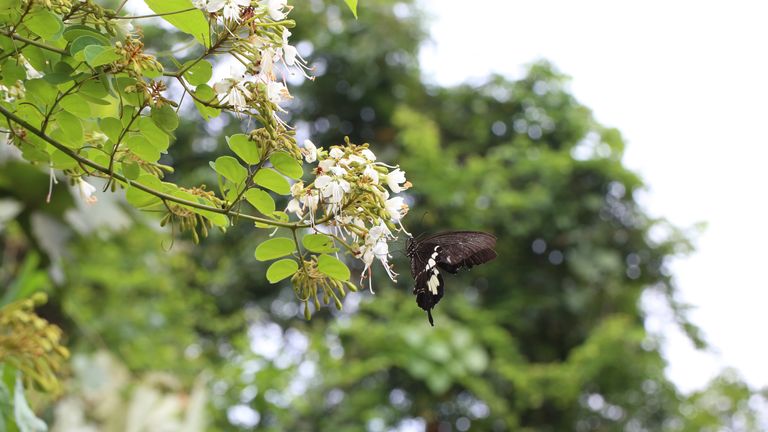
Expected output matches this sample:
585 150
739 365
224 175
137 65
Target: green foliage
332 267
192 22
275 248
244 148
280 270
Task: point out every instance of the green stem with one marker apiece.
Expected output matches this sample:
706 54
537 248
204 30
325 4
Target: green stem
104 170
13 35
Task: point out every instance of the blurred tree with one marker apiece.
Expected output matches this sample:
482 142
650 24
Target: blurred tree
548 337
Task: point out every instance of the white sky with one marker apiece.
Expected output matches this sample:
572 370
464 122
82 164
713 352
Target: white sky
686 83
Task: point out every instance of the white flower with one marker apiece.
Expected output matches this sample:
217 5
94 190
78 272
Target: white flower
368 155
292 58
336 153
267 65
397 208
332 188
234 93
294 206
124 26
372 174
326 164
231 8
395 179
376 247
32 73
297 189
200 4
87 191
275 9
309 151
338 171
277 92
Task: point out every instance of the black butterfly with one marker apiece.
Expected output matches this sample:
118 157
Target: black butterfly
450 251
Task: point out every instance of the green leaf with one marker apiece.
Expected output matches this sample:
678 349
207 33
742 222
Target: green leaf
76 105
165 118
204 92
282 269
78 46
62 72
246 149
352 5
131 170
272 180
45 24
111 127
199 73
154 134
275 248
12 72
287 165
62 161
140 199
98 55
319 243
141 147
260 200
70 126
73 32
192 22
332 267
230 169
9 4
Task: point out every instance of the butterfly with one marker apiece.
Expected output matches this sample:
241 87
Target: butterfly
450 251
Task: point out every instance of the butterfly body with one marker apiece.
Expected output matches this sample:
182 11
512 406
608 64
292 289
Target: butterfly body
449 251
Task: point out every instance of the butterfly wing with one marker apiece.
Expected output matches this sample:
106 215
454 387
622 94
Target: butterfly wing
462 249
450 251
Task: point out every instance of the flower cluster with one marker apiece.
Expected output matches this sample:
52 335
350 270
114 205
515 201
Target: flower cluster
263 48
350 198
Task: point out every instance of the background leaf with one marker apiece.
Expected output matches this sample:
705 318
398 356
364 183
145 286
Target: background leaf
244 148
331 266
273 181
282 269
319 243
287 165
192 22
261 200
274 248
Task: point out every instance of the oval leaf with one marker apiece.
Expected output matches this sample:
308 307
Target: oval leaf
282 269
205 93
98 55
192 21
143 148
199 73
319 243
261 200
165 118
230 169
332 267
45 24
275 248
244 148
273 181
287 165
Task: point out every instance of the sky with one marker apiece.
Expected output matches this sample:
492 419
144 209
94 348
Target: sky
685 82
